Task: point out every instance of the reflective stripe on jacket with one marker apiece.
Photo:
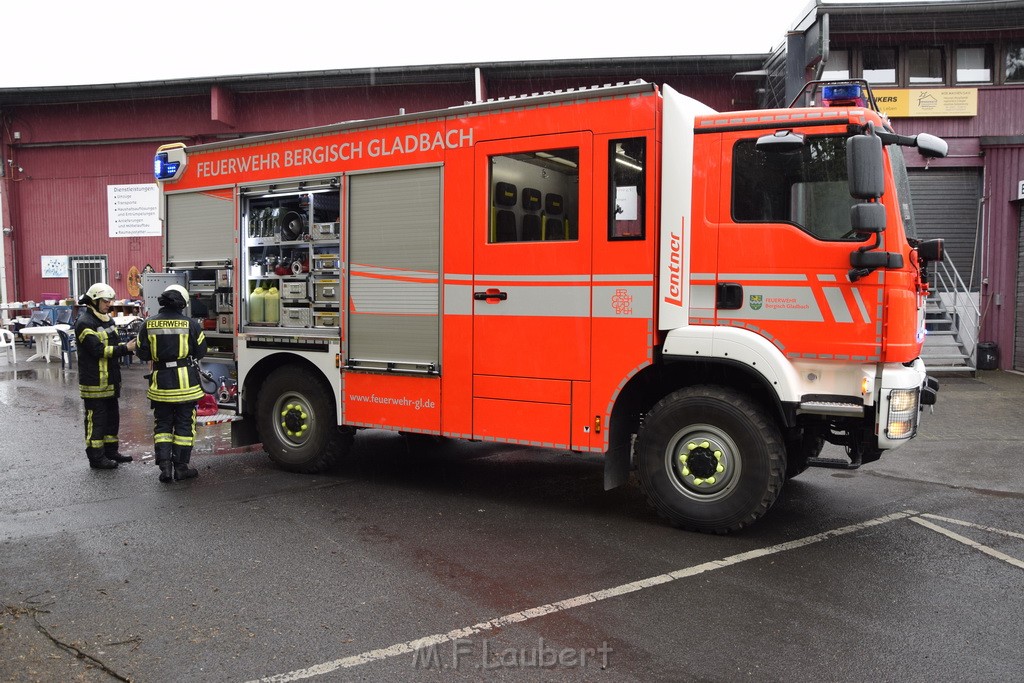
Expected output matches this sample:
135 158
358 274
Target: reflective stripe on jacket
170 336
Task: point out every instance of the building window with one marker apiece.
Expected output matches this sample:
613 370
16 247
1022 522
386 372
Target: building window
973 65
1014 63
837 68
926 66
880 66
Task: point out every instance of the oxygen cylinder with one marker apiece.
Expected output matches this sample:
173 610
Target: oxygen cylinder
272 305
257 307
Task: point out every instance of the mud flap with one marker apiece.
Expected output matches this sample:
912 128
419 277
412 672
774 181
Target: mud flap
243 432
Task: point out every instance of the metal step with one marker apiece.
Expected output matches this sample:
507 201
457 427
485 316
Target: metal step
950 369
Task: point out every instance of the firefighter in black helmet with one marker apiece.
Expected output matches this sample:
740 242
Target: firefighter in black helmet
175 344
99 376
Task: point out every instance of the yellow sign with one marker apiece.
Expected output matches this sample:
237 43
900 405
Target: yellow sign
928 102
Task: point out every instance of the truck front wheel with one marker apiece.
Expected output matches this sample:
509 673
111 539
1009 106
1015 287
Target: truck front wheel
710 459
296 421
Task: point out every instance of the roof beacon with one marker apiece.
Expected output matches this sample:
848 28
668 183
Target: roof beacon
846 95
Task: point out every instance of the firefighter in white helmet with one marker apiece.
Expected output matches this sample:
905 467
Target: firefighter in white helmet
175 344
99 376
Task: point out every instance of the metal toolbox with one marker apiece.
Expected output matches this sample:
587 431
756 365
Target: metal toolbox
319 232
296 316
326 262
293 290
325 318
326 291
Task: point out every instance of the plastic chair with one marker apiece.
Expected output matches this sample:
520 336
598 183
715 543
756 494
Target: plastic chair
7 344
68 349
64 316
55 347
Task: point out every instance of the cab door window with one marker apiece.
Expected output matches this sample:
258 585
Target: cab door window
808 188
626 181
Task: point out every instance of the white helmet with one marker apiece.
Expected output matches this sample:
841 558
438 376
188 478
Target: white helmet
179 289
100 290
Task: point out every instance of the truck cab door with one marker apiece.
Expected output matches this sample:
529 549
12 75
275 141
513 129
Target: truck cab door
531 286
785 251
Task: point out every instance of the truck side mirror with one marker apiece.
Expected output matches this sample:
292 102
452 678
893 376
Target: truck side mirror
864 166
867 218
931 146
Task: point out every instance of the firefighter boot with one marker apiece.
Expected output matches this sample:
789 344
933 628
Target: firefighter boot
163 461
182 454
112 454
98 461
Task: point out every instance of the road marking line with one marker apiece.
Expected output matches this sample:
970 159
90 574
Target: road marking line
570 603
1004 532
966 541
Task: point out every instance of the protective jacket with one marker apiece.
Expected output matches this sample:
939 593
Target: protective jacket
172 342
99 372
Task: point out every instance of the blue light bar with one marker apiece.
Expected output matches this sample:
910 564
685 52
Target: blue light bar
164 169
845 94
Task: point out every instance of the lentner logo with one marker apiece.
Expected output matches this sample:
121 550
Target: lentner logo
756 301
675 270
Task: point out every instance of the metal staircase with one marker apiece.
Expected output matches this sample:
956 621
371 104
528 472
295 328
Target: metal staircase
952 320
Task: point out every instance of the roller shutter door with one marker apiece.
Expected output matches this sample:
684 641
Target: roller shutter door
394 263
946 205
200 229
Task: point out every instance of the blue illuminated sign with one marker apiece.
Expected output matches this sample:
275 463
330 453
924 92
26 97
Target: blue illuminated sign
164 169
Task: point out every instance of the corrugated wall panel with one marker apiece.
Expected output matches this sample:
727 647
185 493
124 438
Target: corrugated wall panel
62 209
996 108
1004 168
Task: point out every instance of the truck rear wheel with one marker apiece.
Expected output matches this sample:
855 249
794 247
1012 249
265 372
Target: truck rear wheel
295 418
710 459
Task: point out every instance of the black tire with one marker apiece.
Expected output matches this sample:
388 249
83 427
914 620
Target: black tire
799 451
734 466
295 420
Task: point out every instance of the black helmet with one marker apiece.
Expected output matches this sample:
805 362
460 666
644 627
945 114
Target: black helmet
175 296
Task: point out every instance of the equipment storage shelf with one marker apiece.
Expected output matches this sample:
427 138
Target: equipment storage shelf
292 247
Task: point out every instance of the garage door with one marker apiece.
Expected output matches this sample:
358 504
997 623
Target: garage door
946 202
1018 342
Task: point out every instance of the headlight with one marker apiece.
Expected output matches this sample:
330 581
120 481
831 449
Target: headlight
903 411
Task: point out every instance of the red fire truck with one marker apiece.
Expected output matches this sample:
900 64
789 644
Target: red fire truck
705 298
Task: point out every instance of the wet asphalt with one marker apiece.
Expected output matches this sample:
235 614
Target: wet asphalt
464 561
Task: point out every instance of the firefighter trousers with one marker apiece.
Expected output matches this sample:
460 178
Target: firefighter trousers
174 431
102 422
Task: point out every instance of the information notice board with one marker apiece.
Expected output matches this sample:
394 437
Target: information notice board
133 211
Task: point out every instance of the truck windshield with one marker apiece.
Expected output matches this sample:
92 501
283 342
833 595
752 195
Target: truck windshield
899 171
807 188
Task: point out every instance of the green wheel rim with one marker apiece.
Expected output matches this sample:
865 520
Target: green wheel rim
703 462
